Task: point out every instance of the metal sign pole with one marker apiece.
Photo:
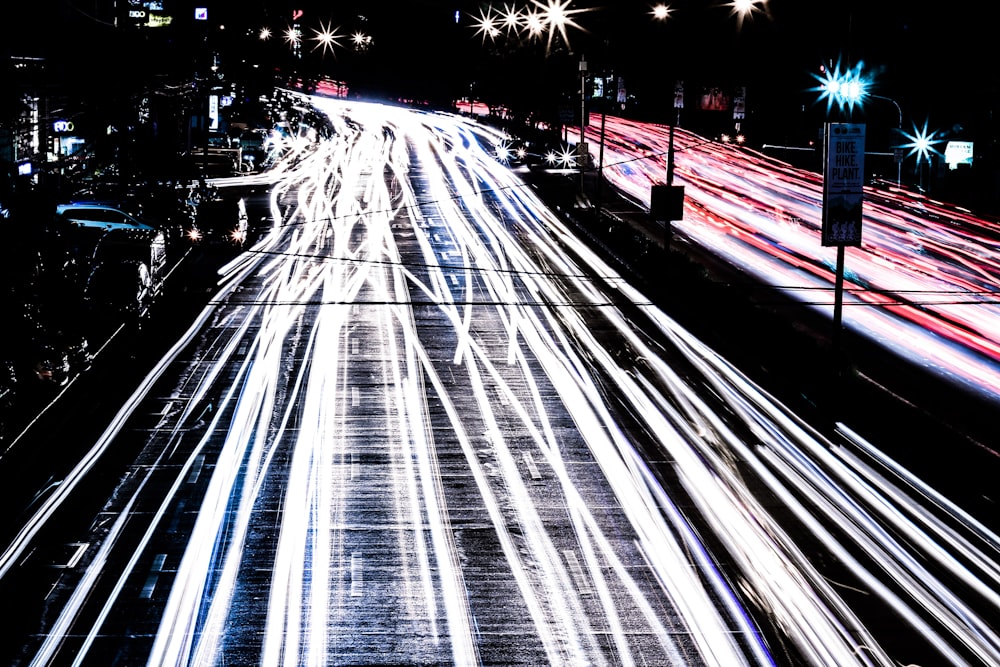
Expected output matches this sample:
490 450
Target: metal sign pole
838 310
843 195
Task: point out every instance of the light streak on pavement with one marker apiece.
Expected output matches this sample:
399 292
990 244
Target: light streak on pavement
923 284
421 422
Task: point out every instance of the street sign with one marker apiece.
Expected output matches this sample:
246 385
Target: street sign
740 103
666 203
213 112
843 183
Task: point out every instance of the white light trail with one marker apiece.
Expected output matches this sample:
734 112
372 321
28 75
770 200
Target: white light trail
414 304
923 283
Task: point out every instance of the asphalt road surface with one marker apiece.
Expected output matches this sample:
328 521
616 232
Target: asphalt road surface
420 422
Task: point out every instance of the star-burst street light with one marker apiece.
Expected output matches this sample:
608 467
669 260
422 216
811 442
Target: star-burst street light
558 16
745 9
845 90
848 89
486 25
534 24
361 41
552 19
922 144
661 12
326 39
293 37
511 19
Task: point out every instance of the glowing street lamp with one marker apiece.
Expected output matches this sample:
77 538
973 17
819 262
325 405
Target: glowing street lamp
557 17
849 89
293 37
326 39
661 12
534 24
361 41
845 90
745 9
922 144
511 20
551 18
486 25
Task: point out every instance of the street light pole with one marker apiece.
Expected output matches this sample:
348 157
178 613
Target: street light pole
581 152
670 156
600 158
899 127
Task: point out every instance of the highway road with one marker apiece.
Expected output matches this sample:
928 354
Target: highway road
420 422
922 285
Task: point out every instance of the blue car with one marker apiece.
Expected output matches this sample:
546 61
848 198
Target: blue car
120 261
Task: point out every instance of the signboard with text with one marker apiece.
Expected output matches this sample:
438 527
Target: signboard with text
843 183
740 103
213 112
958 152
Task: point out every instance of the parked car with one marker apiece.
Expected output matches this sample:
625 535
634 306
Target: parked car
44 335
121 260
163 206
8 393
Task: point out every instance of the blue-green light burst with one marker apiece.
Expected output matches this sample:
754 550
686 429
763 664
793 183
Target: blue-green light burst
922 143
845 89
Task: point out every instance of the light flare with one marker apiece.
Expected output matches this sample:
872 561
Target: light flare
326 39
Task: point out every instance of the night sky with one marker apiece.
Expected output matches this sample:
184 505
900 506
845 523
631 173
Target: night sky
934 60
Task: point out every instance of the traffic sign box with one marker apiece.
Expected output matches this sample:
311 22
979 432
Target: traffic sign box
843 183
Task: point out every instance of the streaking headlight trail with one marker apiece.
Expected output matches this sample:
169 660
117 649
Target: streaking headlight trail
420 422
924 283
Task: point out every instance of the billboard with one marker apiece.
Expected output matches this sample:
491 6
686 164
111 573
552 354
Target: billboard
144 13
713 99
213 112
843 183
740 103
958 152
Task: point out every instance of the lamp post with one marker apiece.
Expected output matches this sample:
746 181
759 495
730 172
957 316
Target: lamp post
848 89
843 184
581 152
899 128
922 144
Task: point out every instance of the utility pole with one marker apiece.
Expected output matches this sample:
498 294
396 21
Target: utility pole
899 129
600 159
581 152
670 156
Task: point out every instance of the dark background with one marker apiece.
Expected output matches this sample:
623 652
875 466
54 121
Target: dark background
933 60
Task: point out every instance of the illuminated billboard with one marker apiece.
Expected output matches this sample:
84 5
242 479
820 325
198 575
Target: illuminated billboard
713 99
958 152
843 183
147 14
